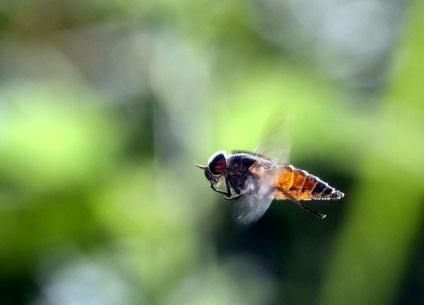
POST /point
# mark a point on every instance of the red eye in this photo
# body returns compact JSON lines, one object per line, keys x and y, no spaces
{"x":218,"y":164}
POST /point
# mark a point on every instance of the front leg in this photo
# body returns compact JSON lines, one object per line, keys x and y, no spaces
{"x":227,"y":193}
{"x":236,"y":197}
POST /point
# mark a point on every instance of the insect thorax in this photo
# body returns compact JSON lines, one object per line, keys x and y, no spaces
{"x":246,"y":170}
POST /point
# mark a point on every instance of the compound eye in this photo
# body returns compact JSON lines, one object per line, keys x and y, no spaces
{"x":217,"y":164}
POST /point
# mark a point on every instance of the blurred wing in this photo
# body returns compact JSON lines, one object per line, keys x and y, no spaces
{"x":275,"y":139}
{"x":250,"y":208}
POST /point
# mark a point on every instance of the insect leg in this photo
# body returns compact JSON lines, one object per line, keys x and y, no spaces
{"x":233,"y":197}
{"x":229,"y":182}
{"x":227,"y":193}
{"x":288,"y":195}
{"x":235,"y":187}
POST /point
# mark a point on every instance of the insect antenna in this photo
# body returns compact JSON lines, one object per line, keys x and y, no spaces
{"x":290,"y":196}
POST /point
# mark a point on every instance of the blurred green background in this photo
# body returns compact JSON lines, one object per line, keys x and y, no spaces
{"x":105,"y":106}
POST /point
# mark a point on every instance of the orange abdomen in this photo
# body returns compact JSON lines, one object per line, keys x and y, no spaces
{"x":302,"y":185}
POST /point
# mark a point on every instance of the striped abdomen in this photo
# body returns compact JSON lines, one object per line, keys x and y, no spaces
{"x":302,"y":185}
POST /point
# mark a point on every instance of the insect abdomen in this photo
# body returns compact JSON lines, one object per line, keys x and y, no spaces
{"x":302,"y":185}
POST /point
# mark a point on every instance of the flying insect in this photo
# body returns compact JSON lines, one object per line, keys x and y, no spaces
{"x":254,"y":181}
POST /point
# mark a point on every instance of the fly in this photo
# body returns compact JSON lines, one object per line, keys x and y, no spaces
{"x":254,"y":181}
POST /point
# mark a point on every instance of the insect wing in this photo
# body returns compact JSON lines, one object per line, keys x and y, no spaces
{"x":275,"y":139}
{"x":250,"y":208}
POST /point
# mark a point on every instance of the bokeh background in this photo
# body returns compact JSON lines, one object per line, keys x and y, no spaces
{"x":105,"y":106}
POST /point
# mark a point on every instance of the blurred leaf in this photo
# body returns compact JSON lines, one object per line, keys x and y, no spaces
{"x":53,"y":154}
{"x":386,"y":206}
{"x":55,"y":142}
